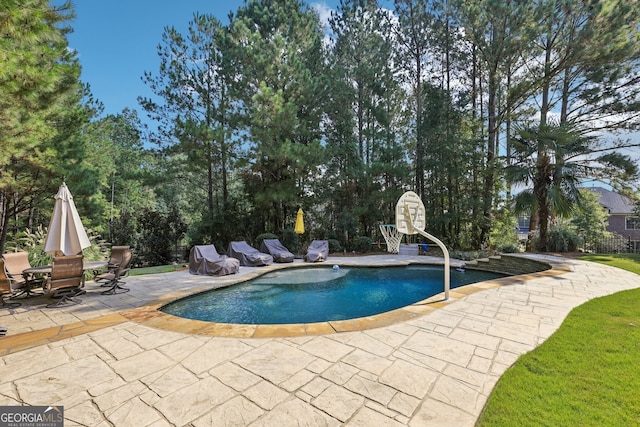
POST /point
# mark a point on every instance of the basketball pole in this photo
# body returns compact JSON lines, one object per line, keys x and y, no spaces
{"x":447,"y":275}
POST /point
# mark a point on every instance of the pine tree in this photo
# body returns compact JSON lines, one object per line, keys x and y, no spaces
{"x":193,"y":106}
{"x":280,"y":89}
{"x":39,"y":103}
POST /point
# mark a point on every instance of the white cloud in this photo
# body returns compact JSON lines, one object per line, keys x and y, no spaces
{"x":324,"y":12}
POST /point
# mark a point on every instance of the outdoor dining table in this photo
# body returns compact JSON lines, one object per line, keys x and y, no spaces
{"x":46,"y":269}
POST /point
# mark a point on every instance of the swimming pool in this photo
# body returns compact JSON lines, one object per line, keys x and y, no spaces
{"x":319,"y":294}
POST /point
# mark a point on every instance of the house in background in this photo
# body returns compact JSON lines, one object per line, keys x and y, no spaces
{"x":622,"y":218}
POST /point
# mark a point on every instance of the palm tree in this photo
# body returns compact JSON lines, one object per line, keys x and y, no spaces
{"x":551,"y":161}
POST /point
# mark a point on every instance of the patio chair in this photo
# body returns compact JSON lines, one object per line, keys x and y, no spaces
{"x":116,"y":271}
{"x":117,"y":255}
{"x":66,"y":280}
{"x":21,"y":284}
{"x":5,"y":288}
{"x":205,"y":260}
{"x":247,"y":255}
{"x":318,"y":251}
{"x":277,"y":250}
{"x":115,"y":259}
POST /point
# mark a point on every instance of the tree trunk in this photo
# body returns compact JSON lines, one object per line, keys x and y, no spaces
{"x":564,"y":106}
{"x":4,"y":200}
{"x":543,"y":208}
{"x":223,"y":145}
{"x":533,"y":226}
{"x":508,"y":133}
{"x":420,"y":189}
{"x":539,"y":190}
{"x":487,"y":203}
{"x":210,"y":204}
{"x":546,"y":83}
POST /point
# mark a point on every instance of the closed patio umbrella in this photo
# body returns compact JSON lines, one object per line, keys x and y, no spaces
{"x":299,"y":228}
{"x":66,"y":233}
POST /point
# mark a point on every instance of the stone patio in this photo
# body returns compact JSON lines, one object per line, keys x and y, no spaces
{"x":115,"y":361}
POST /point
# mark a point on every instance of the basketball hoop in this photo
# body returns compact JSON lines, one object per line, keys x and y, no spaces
{"x":411,"y":219}
{"x":392,"y":236}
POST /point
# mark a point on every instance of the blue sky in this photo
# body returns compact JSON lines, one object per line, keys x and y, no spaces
{"x":116,"y":41}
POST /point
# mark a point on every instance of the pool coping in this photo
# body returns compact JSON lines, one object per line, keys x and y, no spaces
{"x":149,"y":315}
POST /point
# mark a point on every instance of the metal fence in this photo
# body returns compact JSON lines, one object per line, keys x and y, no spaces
{"x":613,"y":245}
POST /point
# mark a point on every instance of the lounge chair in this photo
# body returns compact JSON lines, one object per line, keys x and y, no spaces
{"x":21,"y":284}
{"x":118,"y":267}
{"x":318,"y":251}
{"x":247,"y":255}
{"x":205,"y":260}
{"x":276,"y":250}
{"x":66,"y":281}
{"x":5,"y":288}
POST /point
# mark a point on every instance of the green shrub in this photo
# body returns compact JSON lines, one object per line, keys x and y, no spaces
{"x":334,"y":246}
{"x":362,"y":244}
{"x":562,"y":239}
{"x":264,"y":236}
{"x":291,"y":240}
{"x":503,"y":231}
{"x":509,"y":248}
{"x":154,"y":247}
{"x":33,"y":244}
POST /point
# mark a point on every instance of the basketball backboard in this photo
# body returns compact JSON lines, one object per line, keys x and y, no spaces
{"x":410,"y":204}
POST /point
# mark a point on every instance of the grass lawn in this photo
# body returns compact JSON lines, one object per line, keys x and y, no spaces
{"x":586,"y":374}
{"x":156,"y":269}
{"x":629,"y":262}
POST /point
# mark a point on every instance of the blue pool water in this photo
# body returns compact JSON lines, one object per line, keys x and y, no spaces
{"x":318,"y":294}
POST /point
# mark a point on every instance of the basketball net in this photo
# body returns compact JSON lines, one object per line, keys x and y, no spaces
{"x":392,"y":236}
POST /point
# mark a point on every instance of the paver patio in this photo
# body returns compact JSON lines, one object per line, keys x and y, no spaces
{"x":112,"y":361}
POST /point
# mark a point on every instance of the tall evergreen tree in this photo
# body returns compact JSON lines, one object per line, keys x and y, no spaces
{"x":122,"y":169}
{"x":588,"y":70}
{"x":40,"y":106}
{"x":495,"y":29}
{"x":415,"y":43}
{"x":193,"y":106}
{"x":364,"y":113}
{"x":281,"y":91}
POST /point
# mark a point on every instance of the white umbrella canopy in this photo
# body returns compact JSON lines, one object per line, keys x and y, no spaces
{"x":66,"y":233}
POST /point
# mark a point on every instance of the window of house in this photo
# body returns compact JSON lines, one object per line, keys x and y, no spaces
{"x":632,"y":223}
{"x":523,"y":222}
